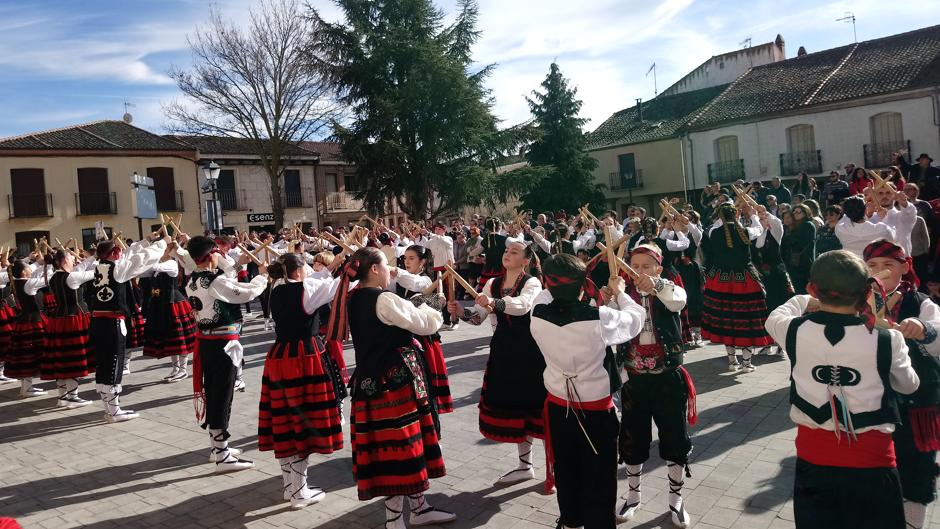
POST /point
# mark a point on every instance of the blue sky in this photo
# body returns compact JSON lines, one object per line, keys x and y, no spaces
{"x":64,"y":62}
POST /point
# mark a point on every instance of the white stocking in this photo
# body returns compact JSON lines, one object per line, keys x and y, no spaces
{"x":525,"y":454}
{"x":285,"y":475}
{"x":915,"y":514}
{"x":60,"y":385}
{"x":634,"y":477}
{"x":110,"y":397}
{"x":732,"y":356}
{"x":183,"y":362}
{"x":394,"y":505}
{"x":676,"y":481}
{"x":219,"y":444}
{"x":71,"y":388}
{"x":746,"y":355}
{"x":26,"y":383}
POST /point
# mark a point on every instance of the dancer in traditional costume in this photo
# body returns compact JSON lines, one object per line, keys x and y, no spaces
{"x":216,"y":299}
{"x":770,"y":266}
{"x":28,"y":339}
{"x":513,"y":390}
{"x":581,"y":428}
{"x":108,"y":331}
{"x":170,"y":329}
{"x":441,"y":247}
{"x":917,"y":437}
{"x":394,"y":444}
{"x":68,"y":355}
{"x":845,"y":372}
{"x":298,"y":415}
{"x":7,"y":316}
{"x":659,"y":387}
{"x":855,"y":231}
{"x":693,"y":278}
{"x":415,"y":279}
{"x":735,"y":303}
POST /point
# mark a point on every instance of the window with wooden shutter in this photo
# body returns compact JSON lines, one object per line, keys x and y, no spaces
{"x":28,"y":193}
{"x":164,"y":189}
{"x":94,"y":196}
{"x":228,"y":195}
{"x":886,"y":128}
{"x":801,"y":138}
{"x":726,"y":149}
{"x":293,"y":198}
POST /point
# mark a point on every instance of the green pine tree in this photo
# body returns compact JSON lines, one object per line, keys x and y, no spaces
{"x":558,"y":157}
{"x":421,"y":130}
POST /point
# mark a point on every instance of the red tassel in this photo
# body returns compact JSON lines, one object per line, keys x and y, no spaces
{"x":335,"y":349}
{"x":549,"y":453}
{"x":691,"y":406}
{"x":925,"y":424}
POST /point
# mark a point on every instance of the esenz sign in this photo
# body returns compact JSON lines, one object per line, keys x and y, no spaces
{"x":261,"y":217}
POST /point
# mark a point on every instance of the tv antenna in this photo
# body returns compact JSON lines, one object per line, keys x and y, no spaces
{"x":849,"y":17}
{"x":746,"y":43}
{"x":653,"y":69}
{"x":128,"y":118}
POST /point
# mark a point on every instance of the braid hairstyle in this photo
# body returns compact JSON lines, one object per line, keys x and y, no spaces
{"x":729,"y":217}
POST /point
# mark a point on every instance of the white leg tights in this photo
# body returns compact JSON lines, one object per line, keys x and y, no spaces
{"x":915,"y":514}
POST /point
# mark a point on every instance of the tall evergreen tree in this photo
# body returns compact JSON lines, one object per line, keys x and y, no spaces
{"x":558,"y":156}
{"x":422,"y":131}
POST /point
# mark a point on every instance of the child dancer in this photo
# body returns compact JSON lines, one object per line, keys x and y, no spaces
{"x":917,"y":438}
{"x":581,"y":421}
{"x":513,"y":390}
{"x":844,"y":376}
{"x":394,"y":444}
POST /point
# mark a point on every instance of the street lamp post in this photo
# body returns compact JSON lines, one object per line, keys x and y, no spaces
{"x":213,"y":210}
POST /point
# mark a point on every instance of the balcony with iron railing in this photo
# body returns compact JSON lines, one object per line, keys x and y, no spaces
{"x":726,"y":172}
{"x":232,"y":199}
{"x":343,"y":201}
{"x":30,"y":205}
{"x":880,"y":155}
{"x":297,"y":199}
{"x":172,"y":202}
{"x":794,"y":163}
{"x":96,"y":203}
{"x":622,"y":181}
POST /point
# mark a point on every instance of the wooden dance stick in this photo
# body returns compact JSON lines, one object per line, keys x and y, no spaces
{"x":451,"y":287}
{"x":251,"y":256}
{"x":330,"y":237}
{"x":620,"y":263}
{"x":456,"y":277}
{"x":611,"y":253}
{"x":433,"y":287}
{"x":267,"y":252}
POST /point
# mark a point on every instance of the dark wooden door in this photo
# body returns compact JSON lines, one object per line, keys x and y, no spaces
{"x":28,"y":188}
{"x":292,"y":193}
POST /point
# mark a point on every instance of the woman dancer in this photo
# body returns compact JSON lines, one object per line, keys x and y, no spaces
{"x":394,"y":444}
{"x":513,"y":389}
{"x":28,"y":340}
{"x":170,"y":329}
{"x":298,"y":415}
{"x":68,"y":355}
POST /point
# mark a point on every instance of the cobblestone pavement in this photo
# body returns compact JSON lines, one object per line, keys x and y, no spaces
{"x":64,"y":469}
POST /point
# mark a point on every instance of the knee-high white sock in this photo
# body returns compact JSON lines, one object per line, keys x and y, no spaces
{"x":110,"y":398}
{"x":676,"y":481}
{"x":71,"y":388}
{"x":2,"y":364}
{"x":285,"y":475}
{"x":634,"y":478}
{"x":219,"y":443}
{"x":26,"y":383}
{"x":298,"y":472}
{"x":394,"y":505}
{"x":60,"y":385}
{"x":915,"y":514}
{"x":732,"y":355}
{"x":525,"y":454}
{"x":183,"y":362}
{"x":746,"y":355}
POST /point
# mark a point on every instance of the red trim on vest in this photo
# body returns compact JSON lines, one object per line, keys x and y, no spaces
{"x":872,"y":449}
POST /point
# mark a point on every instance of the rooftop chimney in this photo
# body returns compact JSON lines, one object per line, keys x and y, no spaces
{"x":639,"y":109}
{"x":801,"y":52}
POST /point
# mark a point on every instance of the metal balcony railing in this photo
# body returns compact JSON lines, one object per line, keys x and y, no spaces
{"x":33,"y":205}
{"x":794,"y":163}
{"x":232,"y":199}
{"x":297,"y":199}
{"x":343,"y":201}
{"x":619,"y":181}
{"x":173,"y":202}
{"x":880,"y":155}
{"x":726,"y":172}
{"x":96,"y":203}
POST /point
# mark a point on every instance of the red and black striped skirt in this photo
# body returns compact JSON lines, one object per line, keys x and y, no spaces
{"x":135,"y":336}
{"x":49,"y":303}
{"x":299,"y":413}
{"x":395,"y":447}
{"x":68,"y":353}
{"x":437,"y":374}
{"x":509,"y":424}
{"x":171,"y":333}
{"x":27,"y":345}
{"x":735,"y":309}
{"x":7,"y":315}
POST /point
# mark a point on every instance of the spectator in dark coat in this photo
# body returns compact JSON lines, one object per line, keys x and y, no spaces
{"x":780,"y":191}
{"x":926,"y":176}
{"x":835,"y":190}
{"x":806,"y":185}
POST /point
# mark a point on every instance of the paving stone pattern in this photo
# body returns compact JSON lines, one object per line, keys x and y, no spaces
{"x":63,"y":469}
